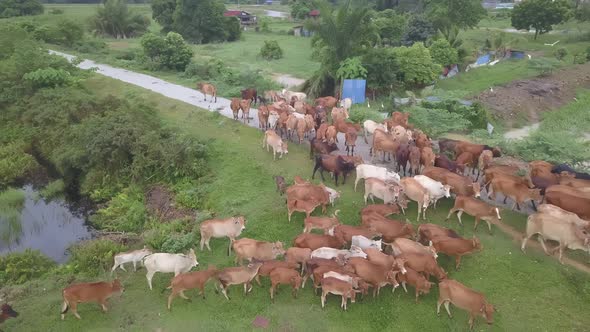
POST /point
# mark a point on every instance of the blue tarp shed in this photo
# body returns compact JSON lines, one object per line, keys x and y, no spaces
{"x":482,"y":60}
{"x":355,"y":90}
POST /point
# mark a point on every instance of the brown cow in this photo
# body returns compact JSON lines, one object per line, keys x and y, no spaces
{"x":348,"y":231}
{"x":407,"y":246}
{"x":250,"y":94}
{"x":301,"y":128}
{"x":460,"y":185}
{"x":475,"y":149}
{"x":331,"y":135}
{"x":309,"y":192}
{"x":385,"y":143}
{"x":484,"y":161}
{"x":316,"y":241}
{"x":320,"y":133}
{"x":457,"y":247}
{"x":429,"y":232}
{"x":236,"y":276}
{"x":250,"y":249}
{"x":216,"y":228}
{"x":306,"y":206}
{"x":443,"y":161}
{"x":235,"y":107}
{"x":400,"y":118}
{"x":381,"y":209}
{"x":190,"y":280}
{"x":271,"y":139}
{"x":467,"y":159}
{"x":282,"y":275}
{"x":7,"y":312}
{"x":245,"y":107}
{"x":323,"y":223}
{"x":314,"y":263}
{"x":280,"y":183}
{"x":334,"y":164}
{"x":386,"y":261}
{"x":452,"y":291}
{"x":327,"y":102}
{"x":427,"y":157}
{"x":350,"y":137}
{"x":338,"y":287}
{"x":298,"y":255}
{"x":373,"y":274}
{"x":422,"y":141}
{"x":414,"y":158}
{"x":569,"y":179}
{"x":425,"y":264}
{"x":540,"y":168}
{"x":389,"y":229}
{"x":401,"y":156}
{"x":263,"y":114}
{"x":415,"y":191}
{"x":98,"y":292}
{"x":316,"y":146}
{"x":268,"y":266}
{"x":207,"y":89}
{"x":415,"y":279}
{"x":476,"y":208}
{"x":569,"y":199}
{"x":506,"y":172}
{"x":516,"y":191}
{"x":447,"y":145}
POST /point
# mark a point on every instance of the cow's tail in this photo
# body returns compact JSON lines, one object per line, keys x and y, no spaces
{"x":65,"y":306}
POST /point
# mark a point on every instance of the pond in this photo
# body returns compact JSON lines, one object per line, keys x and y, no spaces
{"x":48,"y":226}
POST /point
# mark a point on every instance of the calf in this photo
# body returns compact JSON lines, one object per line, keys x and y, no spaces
{"x":323,"y":223}
{"x":386,"y":191}
{"x":236,"y":276}
{"x":216,"y":228}
{"x":385,"y":143}
{"x":427,"y":157}
{"x":98,"y":292}
{"x":415,"y":279}
{"x":457,"y":247}
{"x":476,"y":208}
{"x":452,"y":291}
{"x":320,"y":133}
{"x":207,"y":89}
{"x":314,"y":263}
{"x":250,"y":94}
{"x":130,"y":256}
{"x":263,"y":115}
{"x":370,"y":126}
{"x":337,"y":287}
{"x":401,"y":156}
{"x":550,"y":227}
{"x":334,"y":164}
{"x":190,"y":280}
{"x":286,"y":276}
{"x":365,"y":243}
{"x":316,"y":241}
{"x":309,"y":192}
{"x":260,"y":250}
{"x":386,"y":261}
{"x":389,"y":229}
{"x":331,"y":135}
{"x":484,"y":161}
{"x":298,"y":255}
{"x":281,"y":184}
{"x":271,"y":139}
{"x":235,"y":107}
{"x":301,"y":206}
{"x":373,"y":274}
{"x":515,"y":190}
{"x":350,"y":137}
{"x":316,"y":146}
{"x":365,"y":171}
{"x":466,"y":159}
{"x":169,"y":263}
{"x":268,"y":266}
{"x":245,"y":107}
{"x":7,"y":312}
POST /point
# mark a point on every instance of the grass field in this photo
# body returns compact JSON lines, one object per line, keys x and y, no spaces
{"x":532,"y":292}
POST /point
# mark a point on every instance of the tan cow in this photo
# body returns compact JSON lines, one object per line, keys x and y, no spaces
{"x":387,"y":191}
{"x":229,"y":227}
{"x":331,"y":135}
{"x":457,"y":247}
{"x":286,"y":276}
{"x":309,"y":192}
{"x":98,"y":292}
{"x":263,"y":115}
{"x":250,"y":249}
{"x":452,"y":291}
{"x":235,"y":107}
{"x":516,"y":191}
{"x":271,"y":139}
{"x":298,"y":255}
{"x":427,"y":157}
{"x":415,"y":191}
{"x":245,"y":107}
{"x":207,"y":89}
{"x":407,"y":246}
{"x":476,"y":208}
{"x":337,"y":287}
{"x":297,"y":205}
{"x":460,"y":185}
{"x":323,"y":223}
{"x":415,"y":279}
{"x":373,"y":274}
{"x":316,"y":241}
{"x":236,"y":276}
{"x":190,"y":280}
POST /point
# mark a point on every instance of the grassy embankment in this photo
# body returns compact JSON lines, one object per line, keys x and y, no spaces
{"x":531,"y":292}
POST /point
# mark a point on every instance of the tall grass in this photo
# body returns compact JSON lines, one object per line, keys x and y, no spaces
{"x":11,"y":203}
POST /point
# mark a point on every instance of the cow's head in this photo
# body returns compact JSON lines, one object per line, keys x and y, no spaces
{"x":277,"y":249}
{"x":357,"y":252}
{"x":240,"y":222}
{"x":193,"y":257}
{"x":117,"y":287}
{"x":487,"y":311}
{"x":476,"y":189}
{"x":392,"y":279}
{"x":535,"y":194}
{"x":447,"y":190}
{"x":8,"y":311}
{"x":284,"y":147}
{"x":476,"y":243}
{"x":432,"y":250}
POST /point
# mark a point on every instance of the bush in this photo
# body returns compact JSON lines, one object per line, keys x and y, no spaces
{"x":92,"y":46}
{"x":232,"y":28}
{"x":124,"y":213}
{"x":271,"y":50}
{"x":561,"y":53}
{"x":10,"y":8}
{"x":416,"y":67}
{"x":68,"y":32}
{"x":93,"y":257}
{"x":178,"y":243}
{"x":12,"y":199}
{"x":160,"y":236}
{"x":264,"y":24}
{"x":554,"y":147}
{"x":56,"y":11}
{"x":171,"y":52}
{"x":18,"y":268}
{"x":14,"y":162}
{"x":476,"y":114}
{"x":53,"y":190}
{"x":115,"y":20}
{"x":359,"y":114}
{"x":49,"y":78}
{"x":436,"y":122}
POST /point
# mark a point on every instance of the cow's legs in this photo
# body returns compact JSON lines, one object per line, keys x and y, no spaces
{"x":451,"y":211}
{"x":447,"y":303}
{"x":335,"y":177}
{"x":534,"y":206}
{"x":183,"y":296}
{"x":134,"y":266}
{"x":356,"y":181}
{"x":74,"y":307}
{"x":103,"y":304}
{"x":459,"y":214}
{"x":149,"y":276}
{"x":542,"y":241}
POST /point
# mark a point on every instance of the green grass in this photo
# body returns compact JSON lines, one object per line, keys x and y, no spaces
{"x":532,"y":292}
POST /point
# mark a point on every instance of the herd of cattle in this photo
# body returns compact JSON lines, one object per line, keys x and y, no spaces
{"x":346,"y":260}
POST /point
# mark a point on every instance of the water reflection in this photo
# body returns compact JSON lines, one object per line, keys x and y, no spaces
{"x":50,"y":227}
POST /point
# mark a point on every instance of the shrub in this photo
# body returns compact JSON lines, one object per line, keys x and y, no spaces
{"x":416,"y":66}
{"x":14,"y":162}
{"x":178,"y":243}
{"x":359,"y":114}
{"x":543,"y":66}
{"x":114,"y":19}
{"x":161,"y":235}
{"x":561,"y":53}
{"x":56,"y":11}
{"x":232,"y":28}
{"x":11,"y":204}
{"x":554,"y":147}
{"x":264,"y":23}
{"x":92,"y":46}
{"x":10,"y":8}
{"x":93,"y":257}
{"x":49,"y":78}
{"x":53,"y":190}
{"x":125,"y":213}
{"x":18,"y":268}
{"x":436,"y":122}
{"x":443,"y":54}
{"x":68,"y":32}
{"x":271,"y":50}
{"x":476,"y":114}
{"x":171,"y":52}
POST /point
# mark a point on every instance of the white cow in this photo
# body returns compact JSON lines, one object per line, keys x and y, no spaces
{"x":289,"y":94}
{"x":130,"y":256}
{"x":562,"y":214}
{"x":333,"y":194}
{"x":298,"y":115}
{"x":370,"y":126}
{"x":273,"y":118}
{"x":346,"y":103}
{"x":364,"y":171}
{"x":365,"y":243}
{"x":329,"y":253}
{"x":169,"y":263}
{"x":436,"y":190}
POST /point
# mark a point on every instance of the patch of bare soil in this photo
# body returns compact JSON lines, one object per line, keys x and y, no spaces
{"x":160,"y":202}
{"x":528,"y":98}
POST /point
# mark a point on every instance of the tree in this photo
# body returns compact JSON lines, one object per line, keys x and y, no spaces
{"x":419,"y":30}
{"x":116,"y":20}
{"x":163,"y":13}
{"x":416,"y":66}
{"x":539,"y":14}
{"x":442,"y":53}
{"x":461,"y":13}
{"x":351,"y":68}
{"x":391,"y":26}
{"x":382,"y":68}
{"x":271,"y":50}
{"x":10,"y":8}
{"x":200,"y":21}
{"x":582,"y":12}
{"x":300,"y":8}
{"x":232,"y":27}
{"x":170,"y":52}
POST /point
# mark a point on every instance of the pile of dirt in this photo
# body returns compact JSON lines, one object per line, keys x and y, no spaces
{"x":160,"y":203}
{"x":526,"y":99}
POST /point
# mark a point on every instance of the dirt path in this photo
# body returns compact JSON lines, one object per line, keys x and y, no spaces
{"x":195,"y":98}
{"x":520,"y":133}
{"x":276,"y":13}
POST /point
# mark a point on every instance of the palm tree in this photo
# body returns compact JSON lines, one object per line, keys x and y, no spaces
{"x":338,"y":35}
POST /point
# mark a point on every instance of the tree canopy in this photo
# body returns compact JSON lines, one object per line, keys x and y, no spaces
{"x":416,"y":66}
{"x":461,"y":13}
{"x":442,"y":53}
{"x":419,"y":30}
{"x":540,"y":15}
{"x":116,"y":20}
{"x":10,"y":8}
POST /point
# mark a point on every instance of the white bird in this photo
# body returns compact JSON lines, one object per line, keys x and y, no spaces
{"x":552,"y":44}
{"x":491,"y":90}
{"x":368,"y":105}
{"x":529,"y":56}
{"x":382,"y":106}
